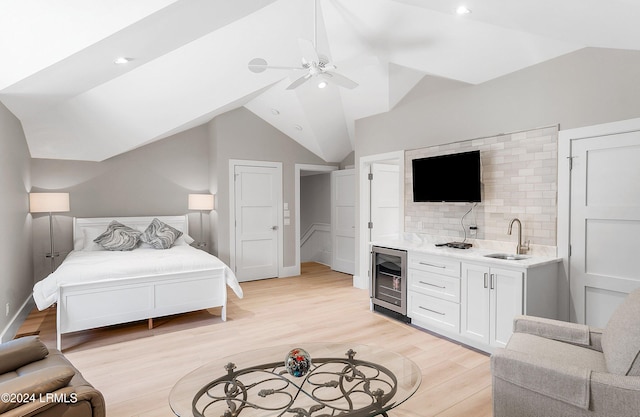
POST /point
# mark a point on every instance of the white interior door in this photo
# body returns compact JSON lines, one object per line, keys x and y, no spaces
{"x":385,"y":201}
{"x":343,"y":220}
{"x":605,"y":224}
{"x":257,"y":196}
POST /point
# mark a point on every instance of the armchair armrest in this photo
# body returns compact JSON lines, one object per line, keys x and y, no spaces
{"x":566,"y":383}
{"x":70,"y":394}
{"x":33,"y":386}
{"x":577,"y":334}
{"x":19,"y":352}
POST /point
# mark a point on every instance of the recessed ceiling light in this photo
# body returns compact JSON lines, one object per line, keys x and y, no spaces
{"x":322,"y":84}
{"x":463,"y":10}
{"x":275,"y":112}
{"x":122,"y":60}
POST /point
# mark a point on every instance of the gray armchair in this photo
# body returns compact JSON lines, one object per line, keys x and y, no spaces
{"x":37,"y":382}
{"x":554,"y":368}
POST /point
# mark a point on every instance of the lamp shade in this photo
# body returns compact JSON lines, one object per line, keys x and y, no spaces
{"x":200,"y":201}
{"x":48,"y":202}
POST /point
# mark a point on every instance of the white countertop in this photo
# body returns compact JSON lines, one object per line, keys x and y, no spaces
{"x":476,"y":253}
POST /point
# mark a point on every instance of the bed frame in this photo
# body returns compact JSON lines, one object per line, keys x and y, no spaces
{"x":96,"y":304}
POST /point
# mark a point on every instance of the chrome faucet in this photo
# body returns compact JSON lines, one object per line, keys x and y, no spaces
{"x":520,"y":248}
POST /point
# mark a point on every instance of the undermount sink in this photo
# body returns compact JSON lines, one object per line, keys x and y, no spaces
{"x":506,"y":256}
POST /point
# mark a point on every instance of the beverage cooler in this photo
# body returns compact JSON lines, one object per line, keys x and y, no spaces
{"x":388,"y":289}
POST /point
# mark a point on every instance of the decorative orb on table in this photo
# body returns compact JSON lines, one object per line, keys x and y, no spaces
{"x":297,"y":362}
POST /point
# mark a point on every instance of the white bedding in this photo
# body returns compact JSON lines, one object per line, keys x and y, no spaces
{"x":91,"y":266}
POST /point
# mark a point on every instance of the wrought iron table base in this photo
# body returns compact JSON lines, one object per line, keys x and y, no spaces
{"x":333,"y":386}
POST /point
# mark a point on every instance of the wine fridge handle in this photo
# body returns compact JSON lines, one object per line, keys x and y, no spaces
{"x":371,"y":272}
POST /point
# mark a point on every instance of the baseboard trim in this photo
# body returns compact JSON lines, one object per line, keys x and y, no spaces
{"x":289,"y":271}
{"x":360,"y":282}
{"x":21,"y":315}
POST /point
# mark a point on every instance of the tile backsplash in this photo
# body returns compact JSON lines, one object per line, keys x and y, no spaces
{"x":519,"y":179}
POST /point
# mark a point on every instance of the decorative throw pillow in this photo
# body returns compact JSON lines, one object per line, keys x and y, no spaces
{"x":119,"y":237}
{"x":160,"y":235}
{"x":621,"y":338}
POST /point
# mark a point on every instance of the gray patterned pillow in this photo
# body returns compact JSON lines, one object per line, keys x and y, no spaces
{"x":160,"y":235}
{"x":119,"y":237}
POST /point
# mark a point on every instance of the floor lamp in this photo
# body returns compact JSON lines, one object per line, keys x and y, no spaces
{"x":49,"y":203}
{"x":201,"y":202}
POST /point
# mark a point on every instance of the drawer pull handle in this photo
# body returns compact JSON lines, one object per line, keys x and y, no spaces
{"x":433,"y":265}
{"x":433,"y":311}
{"x":485,"y":279}
{"x":432,"y":285}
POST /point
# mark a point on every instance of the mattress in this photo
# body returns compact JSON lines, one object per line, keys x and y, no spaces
{"x":92,"y":266}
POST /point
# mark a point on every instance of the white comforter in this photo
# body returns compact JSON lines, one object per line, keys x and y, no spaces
{"x":90,"y":266}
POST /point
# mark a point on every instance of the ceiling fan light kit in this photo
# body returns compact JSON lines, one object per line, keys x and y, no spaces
{"x":313,"y":64}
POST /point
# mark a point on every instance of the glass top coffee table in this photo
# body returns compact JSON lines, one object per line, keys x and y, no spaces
{"x":342,"y":379}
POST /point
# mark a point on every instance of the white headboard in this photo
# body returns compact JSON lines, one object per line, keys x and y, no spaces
{"x":139,"y":223}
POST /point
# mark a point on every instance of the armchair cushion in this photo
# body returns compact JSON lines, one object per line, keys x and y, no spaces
{"x":19,"y":352}
{"x":621,"y":338}
{"x":555,"y":369}
{"x":567,"y":383}
{"x":34,"y":384}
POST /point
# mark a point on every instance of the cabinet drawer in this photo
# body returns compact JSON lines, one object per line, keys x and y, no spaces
{"x":436,"y":285}
{"x":434,"y":311}
{"x":435,"y":264}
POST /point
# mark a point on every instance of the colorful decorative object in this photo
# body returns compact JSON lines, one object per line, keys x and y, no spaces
{"x":297,"y":362}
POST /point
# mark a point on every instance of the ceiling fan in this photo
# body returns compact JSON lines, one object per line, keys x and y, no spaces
{"x":314,"y":65}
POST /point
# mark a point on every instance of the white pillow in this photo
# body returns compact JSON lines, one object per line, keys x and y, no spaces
{"x":85,"y":239}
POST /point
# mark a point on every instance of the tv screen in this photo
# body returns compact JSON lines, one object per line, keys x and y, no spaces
{"x":447,"y":178}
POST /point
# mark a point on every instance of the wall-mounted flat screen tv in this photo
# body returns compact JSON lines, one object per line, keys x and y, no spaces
{"x":452,"y":178}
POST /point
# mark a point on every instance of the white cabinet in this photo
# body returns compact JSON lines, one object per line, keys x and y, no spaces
{"x":434,"y":292}
{"x":491,"y":297}
{"x":473,"y":299}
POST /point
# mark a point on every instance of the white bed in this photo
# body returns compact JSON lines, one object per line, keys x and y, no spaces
{"x":95,"y":287}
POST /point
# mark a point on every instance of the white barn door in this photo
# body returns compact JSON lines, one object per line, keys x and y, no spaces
{"x":343,"y":220}
{"x":257,"y":196}
{"x":605,"y":224}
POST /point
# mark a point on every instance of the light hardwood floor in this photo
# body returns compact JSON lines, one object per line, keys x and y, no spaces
{"x":135,"y":368}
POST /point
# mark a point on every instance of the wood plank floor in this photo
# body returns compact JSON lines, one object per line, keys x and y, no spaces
{"x":135,"y":368}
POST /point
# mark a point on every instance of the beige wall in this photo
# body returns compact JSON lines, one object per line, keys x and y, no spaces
{"x":583,"y":88}
{"x":315,"y":201}
{"x":16,"y":273}
{"x":239,"y":134}
{"x":156,"y":179}
{"x":152,"y":180}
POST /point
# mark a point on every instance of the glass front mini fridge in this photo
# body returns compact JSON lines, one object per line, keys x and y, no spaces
{"x":389,"y":281}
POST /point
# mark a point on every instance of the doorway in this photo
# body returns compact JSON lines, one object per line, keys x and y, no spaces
{"x":303,"y":170}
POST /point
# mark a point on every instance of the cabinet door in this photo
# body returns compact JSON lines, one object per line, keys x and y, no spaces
{"x":475,"y":303}
{"x":506,"y":302}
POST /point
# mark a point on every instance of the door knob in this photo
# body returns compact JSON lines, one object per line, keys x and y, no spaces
{"x":274,"y":227}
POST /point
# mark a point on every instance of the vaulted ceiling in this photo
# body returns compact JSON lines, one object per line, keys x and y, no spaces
{"x":189,"y":61}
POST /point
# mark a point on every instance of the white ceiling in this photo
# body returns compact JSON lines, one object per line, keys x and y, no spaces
{"x":190,"y":61}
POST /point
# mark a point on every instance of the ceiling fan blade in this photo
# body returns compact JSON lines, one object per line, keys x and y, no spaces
{"x":259,"y":65}
{"x":340,"y":80}
{"x":299,"y":81}
{"x":309,"y":53}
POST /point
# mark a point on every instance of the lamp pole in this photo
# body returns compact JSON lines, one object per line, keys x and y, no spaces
{"x":51,"y":254}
